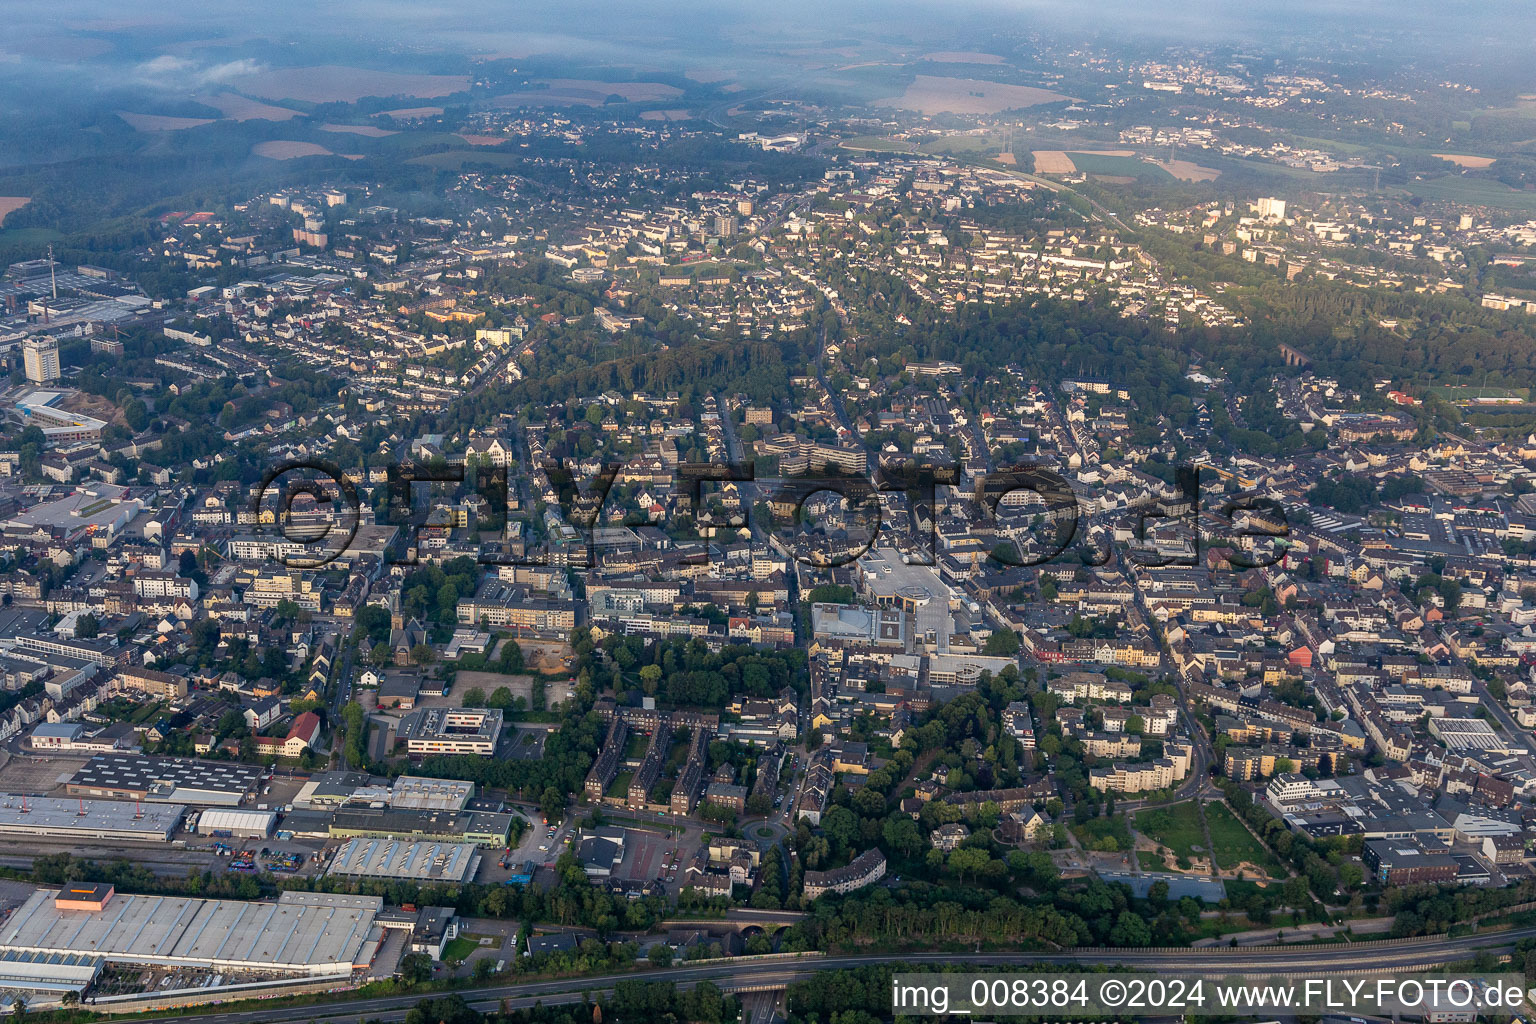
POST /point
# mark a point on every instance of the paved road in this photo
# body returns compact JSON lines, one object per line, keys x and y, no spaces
{"x":764,"y":974}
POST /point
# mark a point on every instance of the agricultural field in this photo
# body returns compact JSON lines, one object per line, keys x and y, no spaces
{"x":161,"y":122}
{"x":965,"y":144}
{"x":412,"y":113}
{"x":961,"y":57}
{"x":333,"y":83}
{"x":1118,"y":164}
{"x":875,"y":144}
{"x":1187,"y":170}
{"x":457,"y":159}
{"x":238,"y":108}
{"x":1464,"y":160}
{"x":929,"y":94}
{"x":288,"y":150}
{"x":10,"y":204}
{"x":1053,"y":161}
{"x":368,"y":131}
{"x":587,"y":92}
{"x":1475,"y":191}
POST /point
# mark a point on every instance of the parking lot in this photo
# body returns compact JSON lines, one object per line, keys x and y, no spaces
{"x":645,"y":856}
{"x":38,"y":776}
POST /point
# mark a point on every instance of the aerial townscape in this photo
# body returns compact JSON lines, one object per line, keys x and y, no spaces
{"x":655,"y":514}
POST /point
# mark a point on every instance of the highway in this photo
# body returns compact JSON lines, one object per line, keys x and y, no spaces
{"x":740,"y":975}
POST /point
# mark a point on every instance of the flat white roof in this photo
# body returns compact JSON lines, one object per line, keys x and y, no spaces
{"x":41,"y":815}
{"x":300,"y":936}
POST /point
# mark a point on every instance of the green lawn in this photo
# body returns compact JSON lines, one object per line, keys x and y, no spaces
{"x":619,"y":787}
{"x":146,"y":712}
{"x":1475,"y":191}
{"x":1176,"y":827}
{"x":1466,"y":393}
{"x":1235,"y":844}
{"x":458,"y":159}
{"x":461,"y":947}
{"x":974,"y":145}
{"x":876,"y":144}
{"x":1150,"y":861}
{"x":1118,"y":166}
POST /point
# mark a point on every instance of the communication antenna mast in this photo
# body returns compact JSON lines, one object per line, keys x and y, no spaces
{"x":53,"y":276}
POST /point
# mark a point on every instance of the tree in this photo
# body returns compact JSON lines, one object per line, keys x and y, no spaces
{"x":660,"y":955}
{"x":230,"y":723}
{"x":1002,"y":644}
{"x":87,"y":627}
{"x":552,"y":803}
{"x":371,"y":621}
{"x":1130,"y":929}
{"x":474,"y":697}
{"x":415,"y":968}
{"x":501,"y":697}
{"x":650,"y":678}
{"x":423,"y":654}
{"x":510,"y":657}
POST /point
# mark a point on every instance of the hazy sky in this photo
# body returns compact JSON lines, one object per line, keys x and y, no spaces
{"x":108,"y":44}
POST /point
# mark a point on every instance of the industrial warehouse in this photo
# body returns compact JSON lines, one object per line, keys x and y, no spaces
{"x":302,"y":934}
{"x":219,"y":821}
{"x":168,"y":780}
{"x":483,"y":828}
{"x":393,"y":858}
{"x":33,"y":817}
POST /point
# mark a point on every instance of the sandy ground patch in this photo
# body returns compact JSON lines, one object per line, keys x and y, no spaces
{"x":1461,"y":160}
{"x":961,"y":57}
{"x":521,"y":686}
{"x":239,"y":108}
{"x":545,"y":655}
{"x":1006,"y":158}
{"x":412,"y":113}
{"x":1053,"y":161}
{"x":1104,"y":152}
{"x":10,"y":204}
{"x":334,"y":83}
{"x":285,"y":150}
{"x":366,"y":130}
{"x":930,"y":94}
{"x":666,"y":115}
{"x":92,"y":405}
{"x":1188,"y":170}
{"x":161,"y":122}
{"x":485,"y":140}
{"x":1250,"y":871}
